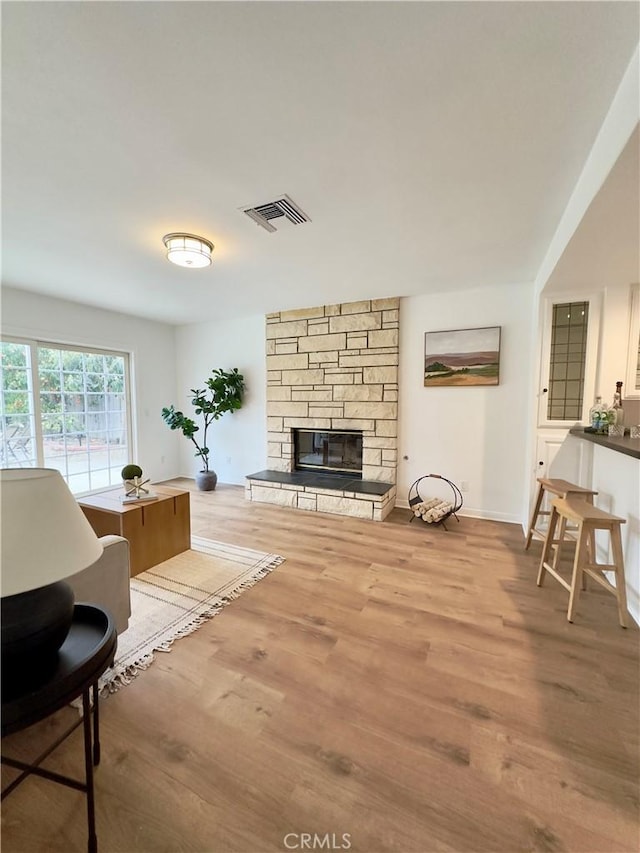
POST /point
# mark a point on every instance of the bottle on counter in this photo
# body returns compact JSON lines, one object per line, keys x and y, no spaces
{"x":596,"y":413}
{"x":617,"y":405}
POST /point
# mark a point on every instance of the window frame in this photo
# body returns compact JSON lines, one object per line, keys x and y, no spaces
{"x":34,"y":344}
{"x":591,"y":356}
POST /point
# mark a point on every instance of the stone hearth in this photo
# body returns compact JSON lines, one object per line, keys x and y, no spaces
{"x":318,"y":492}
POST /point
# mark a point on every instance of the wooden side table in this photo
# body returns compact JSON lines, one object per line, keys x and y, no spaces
{"x":86,"y":653}
{"x":156,"y":530}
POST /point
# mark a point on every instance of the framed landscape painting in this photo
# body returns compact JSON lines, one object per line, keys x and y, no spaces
{"x":462,"y":357}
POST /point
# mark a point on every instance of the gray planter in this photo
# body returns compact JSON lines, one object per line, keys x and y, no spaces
{"x":206,"y":480}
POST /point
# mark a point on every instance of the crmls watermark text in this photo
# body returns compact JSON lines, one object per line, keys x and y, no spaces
{"x":313,"y":841}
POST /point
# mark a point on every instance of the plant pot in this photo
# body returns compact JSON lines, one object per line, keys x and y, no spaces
{"x":206,"y":480}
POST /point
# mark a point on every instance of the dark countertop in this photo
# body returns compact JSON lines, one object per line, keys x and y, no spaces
{"x":628,"y":446}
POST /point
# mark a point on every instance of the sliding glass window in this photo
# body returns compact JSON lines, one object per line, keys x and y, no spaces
{"x":65,"y":408}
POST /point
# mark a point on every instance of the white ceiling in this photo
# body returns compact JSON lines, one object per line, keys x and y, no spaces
{"x":434,"y":145}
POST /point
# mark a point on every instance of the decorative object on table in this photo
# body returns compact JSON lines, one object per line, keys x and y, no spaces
{"x":462,"y":357}
{"x":134,"y":485}
{"x":634,"y":431}
{"x":434,"y":510}
{"x":45,"y":539}
{"x":177,"y":597}
{"x":223,"y":393}
{"x":130,"y":471}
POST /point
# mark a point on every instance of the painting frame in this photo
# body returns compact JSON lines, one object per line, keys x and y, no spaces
{"x":462,"y":358}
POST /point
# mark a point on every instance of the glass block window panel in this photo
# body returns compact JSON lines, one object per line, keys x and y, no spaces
{"x":570,"y":323}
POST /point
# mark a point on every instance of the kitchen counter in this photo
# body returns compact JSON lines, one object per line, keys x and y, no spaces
{"x":626,"y":445}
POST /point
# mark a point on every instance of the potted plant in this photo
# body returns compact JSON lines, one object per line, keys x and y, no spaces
{"x":223,"y":393}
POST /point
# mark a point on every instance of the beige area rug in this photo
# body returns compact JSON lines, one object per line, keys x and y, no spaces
{"x":175,"y":598}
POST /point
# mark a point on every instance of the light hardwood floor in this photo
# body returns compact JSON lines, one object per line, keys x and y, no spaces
{"x":405,"y":685}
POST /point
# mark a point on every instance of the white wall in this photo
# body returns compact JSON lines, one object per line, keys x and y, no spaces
{"x":238,"y":441}
{"x":479,"y":435}
{"x":152,"y":352}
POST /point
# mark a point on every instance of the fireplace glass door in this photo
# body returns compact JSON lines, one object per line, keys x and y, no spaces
{"x":328,"y":450}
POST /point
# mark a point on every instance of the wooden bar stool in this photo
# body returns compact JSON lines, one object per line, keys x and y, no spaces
{"x":559,"y":488}
{"x":588,"y":519}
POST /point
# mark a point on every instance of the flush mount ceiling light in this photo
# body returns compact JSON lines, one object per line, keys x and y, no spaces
{"x":187,"y":250}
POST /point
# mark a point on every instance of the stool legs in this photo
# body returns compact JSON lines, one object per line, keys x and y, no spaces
{"x":585,"y":564}
{"x":548,"y":545}
{"x":618,"y":561}
{"x":588,"y":520}
{"x":534,"y":516}
{"x":577,"y":577}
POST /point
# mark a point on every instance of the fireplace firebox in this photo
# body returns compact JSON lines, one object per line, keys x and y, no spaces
{"x":338,"y":452}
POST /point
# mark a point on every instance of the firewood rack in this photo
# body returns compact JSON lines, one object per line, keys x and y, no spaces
{"x":434,"y":510}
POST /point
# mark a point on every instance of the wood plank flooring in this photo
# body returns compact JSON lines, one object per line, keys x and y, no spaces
{"x":407,"y":686}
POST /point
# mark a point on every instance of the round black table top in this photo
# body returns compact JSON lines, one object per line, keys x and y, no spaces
{"x":86,"y":653}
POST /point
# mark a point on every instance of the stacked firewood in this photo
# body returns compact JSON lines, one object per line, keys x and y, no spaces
{"x":434,"y":509}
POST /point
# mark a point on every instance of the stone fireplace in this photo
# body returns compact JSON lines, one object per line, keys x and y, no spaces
{"x":332,"y":370}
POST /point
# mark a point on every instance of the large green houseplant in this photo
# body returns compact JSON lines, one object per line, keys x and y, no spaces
{"x":223,"y":393}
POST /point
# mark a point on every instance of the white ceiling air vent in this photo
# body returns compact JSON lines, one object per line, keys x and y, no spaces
{"x":282,"y":208}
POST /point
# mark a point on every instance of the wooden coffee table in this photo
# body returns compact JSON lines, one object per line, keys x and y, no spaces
{"x":156,"y":530}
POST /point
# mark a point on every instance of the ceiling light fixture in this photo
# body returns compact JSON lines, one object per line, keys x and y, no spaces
{"x":187,"y":250}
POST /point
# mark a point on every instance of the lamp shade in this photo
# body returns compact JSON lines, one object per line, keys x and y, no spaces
{"x":187,"y":250}
{"x":45,"y":536}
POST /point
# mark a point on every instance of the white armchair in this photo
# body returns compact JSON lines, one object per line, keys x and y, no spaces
{"x":106,"y":582}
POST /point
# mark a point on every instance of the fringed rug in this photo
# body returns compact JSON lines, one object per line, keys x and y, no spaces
{"x":176,"y":597}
